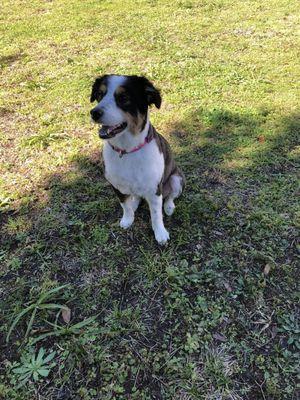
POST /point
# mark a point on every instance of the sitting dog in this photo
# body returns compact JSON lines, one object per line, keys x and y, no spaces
{"x":138,"y":160}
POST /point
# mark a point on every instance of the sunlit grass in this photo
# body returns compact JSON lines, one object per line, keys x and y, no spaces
{"x":212,"y":315}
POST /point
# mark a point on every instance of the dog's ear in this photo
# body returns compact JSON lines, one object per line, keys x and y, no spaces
{"x":152,"y":94}
{"x":95,"y":87}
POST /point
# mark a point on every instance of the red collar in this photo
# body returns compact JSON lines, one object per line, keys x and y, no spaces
{"x":121,"y":152}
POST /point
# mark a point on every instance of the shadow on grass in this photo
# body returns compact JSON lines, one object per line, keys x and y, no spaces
{"x":5,"y":61}
{"x":225,"y":135}
{"x":221,"y":152}
{"x":235,"y":216}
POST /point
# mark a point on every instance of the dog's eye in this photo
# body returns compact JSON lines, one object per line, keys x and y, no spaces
{"x":123,"y":98}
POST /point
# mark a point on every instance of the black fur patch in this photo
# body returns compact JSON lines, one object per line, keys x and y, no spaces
{"x":133,"y":97}
{"x":138,"y":93}
{"x":97,"y":94}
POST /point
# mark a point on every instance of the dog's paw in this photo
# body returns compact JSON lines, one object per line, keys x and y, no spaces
{"x":169,"y":207}
{"x":162,"y":236}
{"x":126,"y":223}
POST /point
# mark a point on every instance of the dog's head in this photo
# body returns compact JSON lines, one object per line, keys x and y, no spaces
{"x":123,"y":102}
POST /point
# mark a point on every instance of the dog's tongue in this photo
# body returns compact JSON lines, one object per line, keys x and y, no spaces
{"x":107,"y":132}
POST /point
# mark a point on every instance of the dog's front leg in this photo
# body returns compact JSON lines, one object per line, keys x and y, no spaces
{"x":129,"y":205}
{"x":155,"y":205}
{"x":128,"y":213}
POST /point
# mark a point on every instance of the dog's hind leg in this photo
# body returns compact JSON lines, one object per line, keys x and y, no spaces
{"x":176,"y":182}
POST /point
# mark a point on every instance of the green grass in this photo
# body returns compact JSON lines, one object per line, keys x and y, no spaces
{"x":215,"y":314}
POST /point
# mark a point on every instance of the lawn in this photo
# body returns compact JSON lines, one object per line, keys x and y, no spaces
{"x":89,"y":311}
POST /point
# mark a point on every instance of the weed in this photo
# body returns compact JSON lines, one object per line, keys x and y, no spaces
{"x":213,"y":315}
{"x":42,"y":303}
{"x":35,"y":366}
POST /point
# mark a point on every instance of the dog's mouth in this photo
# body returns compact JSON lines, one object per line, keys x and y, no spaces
{"x":108,"y":132}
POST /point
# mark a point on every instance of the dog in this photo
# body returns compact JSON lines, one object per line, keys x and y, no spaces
{"x":138,"y":161}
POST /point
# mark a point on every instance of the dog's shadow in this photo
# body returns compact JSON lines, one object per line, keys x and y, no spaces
{"x":73,"y":237}
{"x":82,"y":210}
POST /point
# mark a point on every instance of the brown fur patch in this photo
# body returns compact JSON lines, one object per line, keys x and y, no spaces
{"x":164,"y":187}
{"x":122,"y":197}
{"x":120,"y":89}
{"x":103,"y":88}
{"x":135,"y":124}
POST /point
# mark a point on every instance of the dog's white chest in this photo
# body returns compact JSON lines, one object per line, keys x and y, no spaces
{"x":136,"y":173}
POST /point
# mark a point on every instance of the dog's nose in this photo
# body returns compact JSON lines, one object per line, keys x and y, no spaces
{"x":96,"y":114}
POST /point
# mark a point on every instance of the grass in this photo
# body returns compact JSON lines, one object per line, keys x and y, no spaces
{"x":214,"y":315}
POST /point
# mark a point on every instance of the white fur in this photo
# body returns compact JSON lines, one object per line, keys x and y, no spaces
{"x":137,"y":174}
{"x":129,"y":206}
{"x":155,"y":205}
{"x":112,"y":113}
{"x":176,"y":184}
{"x":128,"y":214}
